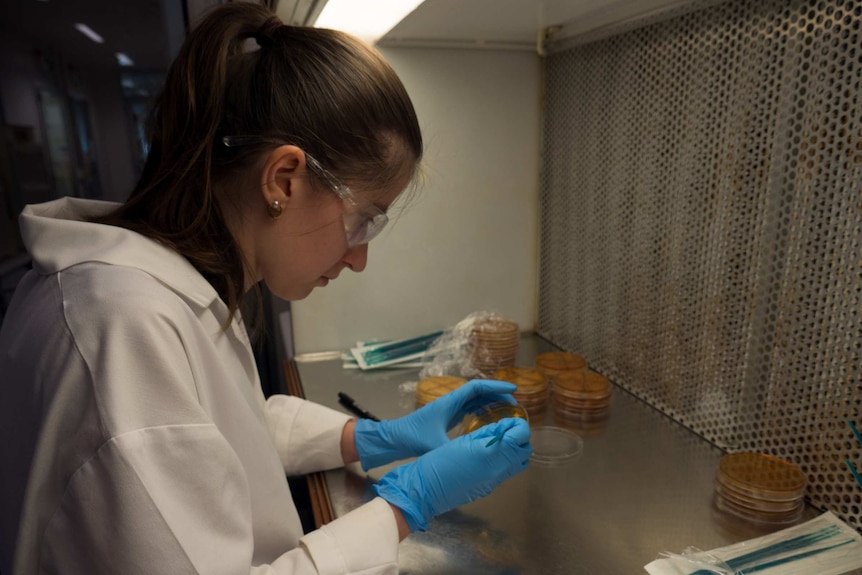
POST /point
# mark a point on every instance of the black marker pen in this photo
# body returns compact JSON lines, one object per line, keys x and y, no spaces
{"x":351,"y":404}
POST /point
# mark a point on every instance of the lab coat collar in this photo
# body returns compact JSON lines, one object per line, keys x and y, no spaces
{"x":57,"y":237}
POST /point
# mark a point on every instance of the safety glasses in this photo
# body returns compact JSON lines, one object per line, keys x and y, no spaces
{"x":363,"y":221}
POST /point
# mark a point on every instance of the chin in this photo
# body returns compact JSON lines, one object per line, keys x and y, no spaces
{"x":291,"y":294}
{"x":296,"y":296}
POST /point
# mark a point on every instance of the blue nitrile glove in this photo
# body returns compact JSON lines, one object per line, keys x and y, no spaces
{"x":382,"y":442}
{"x":461,"y":471}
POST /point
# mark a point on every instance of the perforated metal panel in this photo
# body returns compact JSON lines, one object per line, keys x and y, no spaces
{"x":702,"y":225}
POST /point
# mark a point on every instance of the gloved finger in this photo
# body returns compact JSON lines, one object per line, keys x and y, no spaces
{"x":485,"y":432}
{"x":492,"y":386}
{"x":521,"y":462}
{"x":479,"y":387}
{"x":501,"y":428}
{"x":477,"y":403}
{"x":474,"y":394}
{"x":515,"y":445}
{"x":516,"y":431}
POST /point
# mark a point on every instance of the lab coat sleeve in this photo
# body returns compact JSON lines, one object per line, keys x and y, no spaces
{"x":307,"y":435}
{"x":174,"y":499}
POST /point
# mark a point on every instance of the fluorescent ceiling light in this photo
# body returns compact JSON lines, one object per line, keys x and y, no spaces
{"x":123,"y":60}
{"x":88,"y":32}
{"x":370,"y":20}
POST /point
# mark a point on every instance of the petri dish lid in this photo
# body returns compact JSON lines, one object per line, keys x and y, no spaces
{"x":561,"y":361}
{"x":524,"y":377}
{"x":431,"y":388}
{"x":554,"y":445}
{"x":762,"y":476}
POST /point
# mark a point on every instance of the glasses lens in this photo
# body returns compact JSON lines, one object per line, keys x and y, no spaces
{"x":363,"y":226}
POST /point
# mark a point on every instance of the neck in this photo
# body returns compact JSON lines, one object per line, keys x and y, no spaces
{"x":245,"y":245}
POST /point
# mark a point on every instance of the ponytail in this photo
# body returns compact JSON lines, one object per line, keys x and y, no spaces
{"x":242,"y":72}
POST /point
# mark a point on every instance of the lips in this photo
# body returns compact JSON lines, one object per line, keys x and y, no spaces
{"x":326,"y":279}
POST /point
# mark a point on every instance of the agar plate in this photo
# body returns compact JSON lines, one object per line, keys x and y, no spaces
{"x":492,"y":413}
{"x":431,"y":388}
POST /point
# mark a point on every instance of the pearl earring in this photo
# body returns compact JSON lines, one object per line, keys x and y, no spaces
{"x":275,"y":209}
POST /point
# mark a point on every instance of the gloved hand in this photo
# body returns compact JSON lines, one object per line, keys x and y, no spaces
{"x":382,"y":442}
{"x":463,"y":470}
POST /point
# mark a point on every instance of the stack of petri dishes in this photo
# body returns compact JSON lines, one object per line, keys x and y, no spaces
{"x":556,"y":362}
{"x":532,"y":392}
{"x":494,"y":345}
{"x":582,"y":395}
{"x":760,"y":488}
{"x":431,"y":388}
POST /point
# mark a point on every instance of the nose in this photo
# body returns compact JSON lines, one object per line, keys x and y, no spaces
{"x":356,"y":257}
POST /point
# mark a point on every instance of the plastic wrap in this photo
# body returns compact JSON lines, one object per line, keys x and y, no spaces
{"x":824,"y":545}
{"x":456,"y":351}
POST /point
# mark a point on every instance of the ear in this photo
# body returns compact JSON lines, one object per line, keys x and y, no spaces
{"x":280,"y":175}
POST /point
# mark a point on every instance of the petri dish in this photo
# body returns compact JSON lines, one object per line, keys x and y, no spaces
{"x":431,"y":388}
{"x":559,"y":361}
{"x":532,"y":392}
{"x":585,"y":395}
{"x":756,"y":504}
{"x":527,"y":379}
{"x":581,"y":412}
{"x":759,"y":517}
{"x":760,"y":488}
{"x":575,"y":403}
{"x":491,"y":413}
{"x":494,"y":345}
{"x":553,"y":446}
{"x":584,"y":425}
{"x":762,"y":476}
{"x":495,"y":328}
{"x":582,"y":384}
{"x":556,"y":363}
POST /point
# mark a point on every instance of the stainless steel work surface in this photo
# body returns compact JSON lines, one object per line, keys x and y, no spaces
{"x":642,"y":485}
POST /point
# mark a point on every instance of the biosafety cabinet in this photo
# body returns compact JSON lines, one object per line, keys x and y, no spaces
{"x":672,"y":190}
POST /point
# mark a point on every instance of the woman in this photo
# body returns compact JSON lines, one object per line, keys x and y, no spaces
{"x":135,"y":436}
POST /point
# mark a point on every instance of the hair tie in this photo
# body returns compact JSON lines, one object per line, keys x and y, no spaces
{"x":266,"y":31}
{"x":254,"y":43}
{"x":264,"y":40}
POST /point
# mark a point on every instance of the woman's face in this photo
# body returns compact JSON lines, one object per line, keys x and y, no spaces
{"x":306,"y":246}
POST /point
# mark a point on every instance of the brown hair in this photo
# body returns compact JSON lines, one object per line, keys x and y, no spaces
{"x":322,"y":90}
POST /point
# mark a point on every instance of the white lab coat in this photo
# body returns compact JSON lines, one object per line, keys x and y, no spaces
{"x":134,"y":435}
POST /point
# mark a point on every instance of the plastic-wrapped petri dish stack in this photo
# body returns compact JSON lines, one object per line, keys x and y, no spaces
{"x":582,"y":396}
{"x":556,"y":362}
{"x":532,"y":392}
{"x":760,"y":488}
{"x":430,"y":388}
{"x":493,"y":345}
